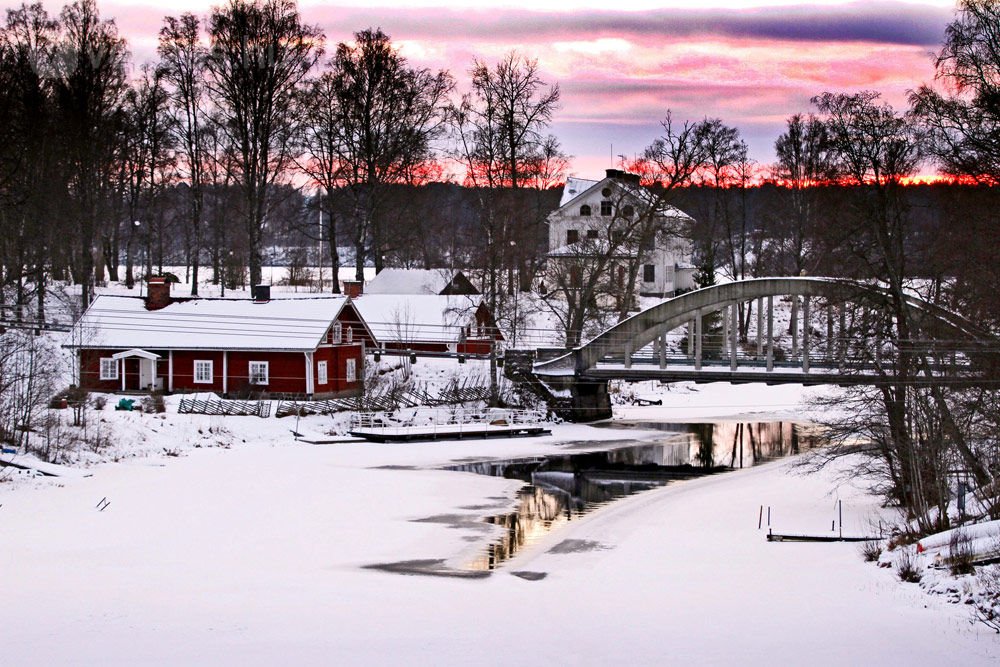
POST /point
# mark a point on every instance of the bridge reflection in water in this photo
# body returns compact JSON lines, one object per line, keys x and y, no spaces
{"x":562,"y":488}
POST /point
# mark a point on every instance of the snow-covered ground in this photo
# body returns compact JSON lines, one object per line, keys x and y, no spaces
{"x":256,"y":554}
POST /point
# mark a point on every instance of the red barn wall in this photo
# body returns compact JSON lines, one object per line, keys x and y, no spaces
{"x":184,"y":370}
{"x":286,"y":371}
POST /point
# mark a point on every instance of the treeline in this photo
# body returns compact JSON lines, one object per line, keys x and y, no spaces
{"x":206,"y":154}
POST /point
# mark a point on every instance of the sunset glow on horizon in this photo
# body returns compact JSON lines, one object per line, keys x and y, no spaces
{"x":752,"y":64}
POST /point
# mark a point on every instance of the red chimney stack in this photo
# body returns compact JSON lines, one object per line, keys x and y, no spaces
{"x":158,"y":295}
{"x":353,"y":288}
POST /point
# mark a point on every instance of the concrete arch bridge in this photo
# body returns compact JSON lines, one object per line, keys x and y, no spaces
{"x":835,"y":331}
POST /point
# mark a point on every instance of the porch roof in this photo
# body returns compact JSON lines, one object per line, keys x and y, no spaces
{"x":135,"y":352}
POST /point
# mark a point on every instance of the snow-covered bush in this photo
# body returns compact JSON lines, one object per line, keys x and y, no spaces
{"x":986,"y":608}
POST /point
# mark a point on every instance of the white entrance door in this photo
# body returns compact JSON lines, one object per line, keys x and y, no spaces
{"x":146,"y":373}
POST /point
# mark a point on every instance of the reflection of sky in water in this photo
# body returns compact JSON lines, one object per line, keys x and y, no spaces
{"x":563,"y":488}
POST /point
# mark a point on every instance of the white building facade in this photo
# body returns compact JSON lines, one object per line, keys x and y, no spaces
{"x":591,"y":212}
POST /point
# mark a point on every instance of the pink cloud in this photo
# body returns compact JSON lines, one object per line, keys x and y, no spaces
{"x":621,"y":71}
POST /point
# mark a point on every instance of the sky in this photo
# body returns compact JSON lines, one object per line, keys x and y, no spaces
{"x":751,"y":64}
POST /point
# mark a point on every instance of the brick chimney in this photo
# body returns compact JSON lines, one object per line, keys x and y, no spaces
{"x":158,"y":294}
{"x":354,"y":288}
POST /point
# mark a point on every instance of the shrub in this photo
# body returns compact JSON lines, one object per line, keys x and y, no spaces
{"x":871,"y":550}
{"x":154,"y":403}
{"x":906,"y":567}
{"x":986,"y":608}
{"x":960,"y":556}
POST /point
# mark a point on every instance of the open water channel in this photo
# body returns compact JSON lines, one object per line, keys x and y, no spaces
{"x":564,"y":487}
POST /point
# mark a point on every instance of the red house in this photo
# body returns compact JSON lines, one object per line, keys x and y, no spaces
{"x":278,"y":346}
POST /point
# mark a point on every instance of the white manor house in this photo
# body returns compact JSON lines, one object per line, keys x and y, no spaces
{"x":589,"y":207}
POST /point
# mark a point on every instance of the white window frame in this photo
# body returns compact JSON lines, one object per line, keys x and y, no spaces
{"x":109,"y":363}
{"x":350,"y":334}
{"x":351,"y":370}
{"x":338,"y":333}
{"x":204,"y":363}
{"x":321,"y":375}
{"x":260,"y":365}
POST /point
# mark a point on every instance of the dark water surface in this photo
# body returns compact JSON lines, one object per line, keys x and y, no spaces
{"x":564,"y":487}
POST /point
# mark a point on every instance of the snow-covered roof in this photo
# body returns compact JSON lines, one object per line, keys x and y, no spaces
{"x":575,"y":187}
{"x":410,"y":281}
{"x":416,"y":317}
{"x":114,"y":322}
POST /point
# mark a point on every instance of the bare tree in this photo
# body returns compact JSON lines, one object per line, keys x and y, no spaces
{"x":260,"y":53}
{"x":89,"y":84}
{"x":371,"y":123}
{"x":804,"y":163}
{"x":499,"y":131}
{"x":30,"y":190}
{"x":182,"y":63}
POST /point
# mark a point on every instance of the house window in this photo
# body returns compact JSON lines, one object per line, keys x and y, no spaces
{"x":109,"y":368}
{"x":618,"y":236}
{"x":628,"y":211}
{"x":203,"y":371}
{"x":575,"y":277}
{"x":668,"y":274}
{"x":258,"y":372}
{"x":605,"y":208}
{"x":321,"y":376}
{"x":572,"y":236}
{"x":648,"y":273}
{"x":606,"y":192}
{"x":337,"y":333}
{"x":352,"y":370}
{"x":350,"y":334}
{"x":585,"y":210}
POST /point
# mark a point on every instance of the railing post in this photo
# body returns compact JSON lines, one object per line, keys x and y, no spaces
{"x":725,"y":331}
{"x":760,"y":327}
{"x":805,"y":334}
{"x":842,"y":339}
{"x":794,"y":326}
{"x":734,"y":329}
{"x":698,"y":324}
{"x":770,"y":333}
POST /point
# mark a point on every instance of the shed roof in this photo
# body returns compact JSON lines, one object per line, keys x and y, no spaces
{"x":424,"y":318}
{"x":414,"y":281}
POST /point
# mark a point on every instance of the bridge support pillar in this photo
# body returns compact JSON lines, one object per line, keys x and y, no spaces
{"x":663,"y":349}
{"x":691,"y":335}
{"x":590,"y":402}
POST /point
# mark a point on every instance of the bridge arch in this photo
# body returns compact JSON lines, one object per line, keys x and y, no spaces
{"x":645,"y":327}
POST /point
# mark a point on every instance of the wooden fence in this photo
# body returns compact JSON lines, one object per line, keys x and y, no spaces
{"x":225,"y":407}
